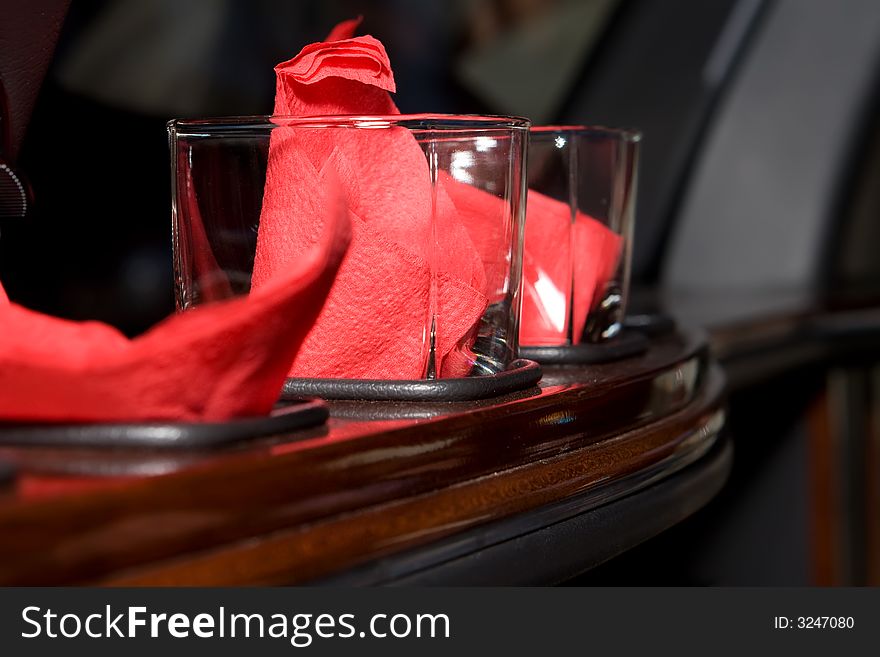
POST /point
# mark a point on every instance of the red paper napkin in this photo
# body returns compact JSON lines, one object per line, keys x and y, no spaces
{"x":596,"y":251}
{"x":547,"y":272}
{"x":401,"y":272}
{"x":219,"y":361}
{"x":565,"y":264}
{"x":342,"y":75}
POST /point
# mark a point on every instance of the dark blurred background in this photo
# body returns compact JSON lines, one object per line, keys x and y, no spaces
{"x":759,"y":192}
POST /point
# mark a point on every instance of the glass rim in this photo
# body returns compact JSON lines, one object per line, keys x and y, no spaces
{"x":625,"y":134}
{"x":440,"y":122}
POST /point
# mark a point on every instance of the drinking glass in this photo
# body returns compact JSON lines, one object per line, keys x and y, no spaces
{"x":582,"y":197}
{"x":430,"y":286}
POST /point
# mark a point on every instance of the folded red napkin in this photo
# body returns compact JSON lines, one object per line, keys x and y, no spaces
{"x":547,"y":272}
{"x":566,"y":267}
{"x":402,"y":276}
{"x":565,"y":264}
{"x":596,"y":254}
{"x":218,"y":361}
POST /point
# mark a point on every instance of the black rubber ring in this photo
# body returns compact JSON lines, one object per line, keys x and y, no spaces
{"x":519,"y":374}
{"x":627,"y":344}
{"x":166,"y":435}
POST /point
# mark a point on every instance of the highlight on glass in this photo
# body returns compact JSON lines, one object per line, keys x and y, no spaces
{"x":429,"y":287}
{"x":581,"y":207}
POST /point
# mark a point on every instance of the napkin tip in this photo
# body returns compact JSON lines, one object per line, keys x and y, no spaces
{"x":345,"y":29}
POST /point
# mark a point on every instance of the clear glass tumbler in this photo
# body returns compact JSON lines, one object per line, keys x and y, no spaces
{"x":430,"y":285}
{"x":581,"y":204}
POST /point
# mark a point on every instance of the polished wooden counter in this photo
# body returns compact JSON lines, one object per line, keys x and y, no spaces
{"x":380,"y":480}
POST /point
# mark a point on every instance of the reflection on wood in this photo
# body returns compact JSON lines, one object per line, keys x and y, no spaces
{"x":294,"y":509}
